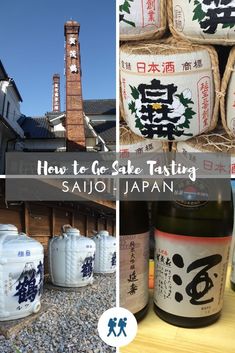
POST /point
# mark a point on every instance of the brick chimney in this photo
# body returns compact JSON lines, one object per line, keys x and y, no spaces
{"x":75,"y":133}
{"x":56,"y":93}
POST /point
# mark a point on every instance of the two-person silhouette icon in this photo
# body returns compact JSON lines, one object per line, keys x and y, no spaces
{"x":112,"y":324}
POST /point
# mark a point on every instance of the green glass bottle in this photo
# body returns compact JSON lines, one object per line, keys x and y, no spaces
{"x":134,"y":257}
{"x":191,"y":256}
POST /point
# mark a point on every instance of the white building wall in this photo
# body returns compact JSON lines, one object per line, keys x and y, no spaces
{"x":45,"y":145}
{"x":9,"y":127}
{"x":6,"y":142}
{"x":1,"y":97}
{"x":58,"y":127}
{"x":11,"y":101}
{"x":102,"y":117}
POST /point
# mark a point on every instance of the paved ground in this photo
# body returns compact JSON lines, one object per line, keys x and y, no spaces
{"x":70,"y":326}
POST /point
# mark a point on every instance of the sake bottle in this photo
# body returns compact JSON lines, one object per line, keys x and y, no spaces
{"x":191,"y":256}
{"x":232,"y":278}
{"x":134,"y":257}
{"x":151,"y":252}
{"x":151,"y":259}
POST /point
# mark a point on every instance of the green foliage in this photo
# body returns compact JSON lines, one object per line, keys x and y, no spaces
{"x":228,"y":25}
{"x":189,"y":113}
{"x":138,"y":124}
{"x":125,"y":7}
{"x":183,"y":100}
{"x":132,"y":107}
{"x":199,"y":14}
{"x":134,"y":92}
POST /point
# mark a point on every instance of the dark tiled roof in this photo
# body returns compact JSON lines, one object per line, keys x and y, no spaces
{"x":99,"y":106}
{"x":106,"y":130}
{"x":17,"y":91}
{"x":93,"y":107}
{"x":36,"y":127}
{"x":39,"y":127}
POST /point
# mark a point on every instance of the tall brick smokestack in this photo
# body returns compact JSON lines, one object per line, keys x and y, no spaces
{"x":56,"y":93}
{"x":75,"y":133}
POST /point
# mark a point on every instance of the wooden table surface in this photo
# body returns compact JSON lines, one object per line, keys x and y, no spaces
{"x":156,"y":336}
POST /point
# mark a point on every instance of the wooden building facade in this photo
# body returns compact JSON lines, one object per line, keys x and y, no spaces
{"x":43,"y":220}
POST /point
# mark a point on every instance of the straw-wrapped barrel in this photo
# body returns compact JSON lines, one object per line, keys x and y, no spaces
{"x":228,"y":96}
{"x":217,"y":142}
{"x":142,"y":19}
{"x":131,"y":143}
{"x":203,"y":21}
{"x":169,"y":89}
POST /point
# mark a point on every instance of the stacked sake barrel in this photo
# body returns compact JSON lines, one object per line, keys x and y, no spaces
{"x":142,"y":19}
{"x":216,"y":141}
{"x":228,"y":96}
{"x":131,"y":143}
{"x":170,"y":83}
{"x":202,"y":21}
{"x":209,"y":22}
{"x":162,"y":98}
{"x":139,"y":20}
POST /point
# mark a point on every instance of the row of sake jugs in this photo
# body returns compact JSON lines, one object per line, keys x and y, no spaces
{"x":198,"y":21}
{"x":73,"y":259}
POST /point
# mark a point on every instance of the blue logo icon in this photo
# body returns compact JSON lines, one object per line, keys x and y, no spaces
{"x":117,"y":327}
{"x":112,"y":324}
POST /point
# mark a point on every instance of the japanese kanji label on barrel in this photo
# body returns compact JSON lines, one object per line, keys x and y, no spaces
{"x":140,"y":17}
{"x":141,"y":147}
{"x":211,"y":21}
{"x":134,"y":258}
{"x":219,"y":144}
{"x":167,"y":97}
{"x":190,"y":274}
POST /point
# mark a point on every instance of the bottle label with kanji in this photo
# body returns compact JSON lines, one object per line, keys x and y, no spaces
{"x":190,"y":274}
{"x":232,"y":278}
{"x":134,"y":258}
